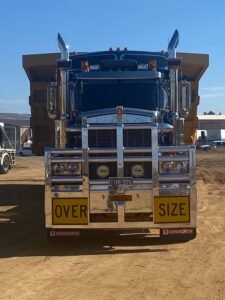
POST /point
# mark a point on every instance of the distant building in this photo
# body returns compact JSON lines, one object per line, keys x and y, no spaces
{"x":17,"y":127}
{"x":212,"y":127}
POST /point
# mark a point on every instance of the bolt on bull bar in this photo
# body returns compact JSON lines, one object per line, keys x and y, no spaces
{"x":73,"y":200}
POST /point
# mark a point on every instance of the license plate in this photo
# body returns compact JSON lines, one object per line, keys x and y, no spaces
{"x":171,"y":209}
{"x":114,"y":182}
{"x":70,"y":211}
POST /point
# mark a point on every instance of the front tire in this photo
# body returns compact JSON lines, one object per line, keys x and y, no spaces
{"x":4,"y":168}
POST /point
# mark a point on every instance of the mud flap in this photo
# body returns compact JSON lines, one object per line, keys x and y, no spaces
{"x":53,"y":234}
{"x":177,"y":234}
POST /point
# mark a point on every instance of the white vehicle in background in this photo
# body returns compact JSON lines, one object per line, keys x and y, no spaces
{"x":25,"y":151}
{"x":218,"y":144}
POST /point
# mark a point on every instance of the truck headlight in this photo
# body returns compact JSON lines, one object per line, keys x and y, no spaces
{"x":166,"y":166}
{"x":182,"y":167}
{"x":74,"y":169}
{"x":103,"y":171}
{"x":137,"y":171}
{"x":173,"y":167}
{"x":59,"y":169}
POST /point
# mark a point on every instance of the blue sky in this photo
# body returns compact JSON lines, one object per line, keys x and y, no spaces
{"x":30,"y":27}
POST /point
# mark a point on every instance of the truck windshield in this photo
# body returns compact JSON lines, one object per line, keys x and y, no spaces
{"x":133,"y":93}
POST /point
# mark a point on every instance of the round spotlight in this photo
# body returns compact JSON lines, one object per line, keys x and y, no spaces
{"x":103,"y":171}
{"x":137,"y":171}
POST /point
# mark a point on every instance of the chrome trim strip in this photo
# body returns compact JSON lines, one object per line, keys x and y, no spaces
{"x":66,"y":179}
{"x":174,"y":158}
{"x":126,"y":110}
{"x":120,"y":168}
{"x":137,"y":150}
{"x":102,"y":159}
{"x":106,"y":181}
{"x":155,"y":165}
{"x":101,"y":127}
{"x":120,"y":164}
{"x":193,"y":189}
{"x":104,"y":126}
{"x":85,"y":150}
{"x":85,"y":164}
{"x":175,"y":148}
{"x":137,"y":158}
{"x":102,"y":150}
{"x":47,"y":168}
{"x":142,"y":181}
{"x":174,"y":177}
{"x":138,"y":126}
{"x":66,"y":150}
{"x":73,"y":129}
{"x":66,"y":160}
{"x":85,"y":136}
{"x":99,"y":188}
{"x":99,"y":181}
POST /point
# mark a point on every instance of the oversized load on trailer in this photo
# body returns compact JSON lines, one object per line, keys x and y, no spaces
{"x":125,"y":127}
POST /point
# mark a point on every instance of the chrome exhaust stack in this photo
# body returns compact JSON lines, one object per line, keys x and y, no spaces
{"x":63,"y":65}
{"x":173,"y":44}
{"x":63,"y":48}
{"x":174,"y":63}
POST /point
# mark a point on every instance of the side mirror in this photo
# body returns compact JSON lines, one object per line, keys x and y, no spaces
{"x":185,"y":102}
{"x":52,"y":100}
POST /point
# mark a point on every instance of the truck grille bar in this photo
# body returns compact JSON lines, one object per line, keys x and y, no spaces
{"x":122,"y":144}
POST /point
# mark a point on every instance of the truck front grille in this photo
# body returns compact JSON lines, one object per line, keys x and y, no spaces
{"x":137,"y":138}
{"x":106,"y":138}
{"x":102,"y":138}
{"x":103,"y":151}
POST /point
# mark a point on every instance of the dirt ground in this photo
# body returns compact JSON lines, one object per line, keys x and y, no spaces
{"x":109,"y":268}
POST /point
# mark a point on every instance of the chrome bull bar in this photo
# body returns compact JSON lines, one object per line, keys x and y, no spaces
{"x":99,"y":190}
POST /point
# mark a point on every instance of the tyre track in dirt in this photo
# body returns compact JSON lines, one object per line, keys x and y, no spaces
{"x":109,"y":267}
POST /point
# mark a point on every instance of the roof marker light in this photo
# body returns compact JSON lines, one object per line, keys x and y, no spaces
{"x":85,"y":66}
{"x":152,"y":65}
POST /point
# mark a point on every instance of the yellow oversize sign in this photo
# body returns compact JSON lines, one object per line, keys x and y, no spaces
{"x":70,"y":211}
{"x":171,"y":209}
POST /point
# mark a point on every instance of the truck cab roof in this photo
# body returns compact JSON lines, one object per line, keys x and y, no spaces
{"x":138,"y":57}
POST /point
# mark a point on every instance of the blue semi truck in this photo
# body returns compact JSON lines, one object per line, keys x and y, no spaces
{"x":124,"y":155}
